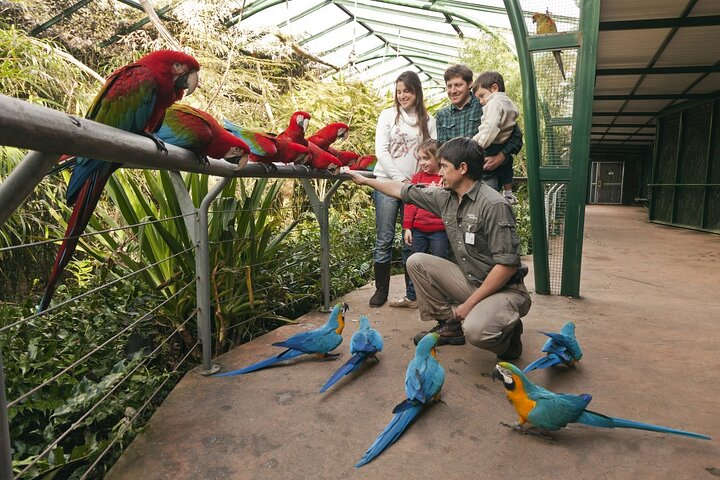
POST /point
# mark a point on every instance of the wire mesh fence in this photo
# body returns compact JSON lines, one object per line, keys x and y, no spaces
{"x":555,"y":209}
{"x":83,"y":375}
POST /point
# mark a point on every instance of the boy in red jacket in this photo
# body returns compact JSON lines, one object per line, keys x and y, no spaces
{"x":423,"y":231}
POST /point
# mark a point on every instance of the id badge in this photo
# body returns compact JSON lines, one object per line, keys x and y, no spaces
{"x":470,"y":238}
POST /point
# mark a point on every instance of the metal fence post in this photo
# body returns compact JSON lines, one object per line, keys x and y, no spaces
{"x":202,"y":285}
{"x":5,"y":447}
{"x":321,"y":210}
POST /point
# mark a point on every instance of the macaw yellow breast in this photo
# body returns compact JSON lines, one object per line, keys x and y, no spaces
{"x":341,"y":324}
{"x":518,"y":397}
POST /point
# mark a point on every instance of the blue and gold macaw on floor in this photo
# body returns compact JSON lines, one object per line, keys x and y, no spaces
{"x":552,"y":411}
{"x":561,"y":348}
{"x":365,"y":343}
{"x":423,"y":381}
{"x":319,"y":341}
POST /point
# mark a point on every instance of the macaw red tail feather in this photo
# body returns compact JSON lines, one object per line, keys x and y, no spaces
{"x":85,"y":204}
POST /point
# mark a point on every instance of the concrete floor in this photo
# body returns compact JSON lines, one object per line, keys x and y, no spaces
{"x":648,"y":321}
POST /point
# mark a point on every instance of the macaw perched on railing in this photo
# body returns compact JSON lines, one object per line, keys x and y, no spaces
{"x":268,"y":149}
{"x":552,"y":411}
{"x":364,"y":344}
{"x":365,"y":162}
{"x":134,"y":98}
{"x":561,"y":348}
{"x":260,"y":144}
{"x":297,"y":128}
{"x":315,"y":342}
{"x":198,"y":131}
{"x":329,"y":134}
{"x":423,"y":380}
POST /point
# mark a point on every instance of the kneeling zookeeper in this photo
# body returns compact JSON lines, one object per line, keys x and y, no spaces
{"x":486,"y":284}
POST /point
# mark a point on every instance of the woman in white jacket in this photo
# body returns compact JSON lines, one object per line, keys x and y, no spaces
{"x":400,"y":129}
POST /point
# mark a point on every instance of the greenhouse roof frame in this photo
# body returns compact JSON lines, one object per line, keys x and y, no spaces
{"x":653,"y":55}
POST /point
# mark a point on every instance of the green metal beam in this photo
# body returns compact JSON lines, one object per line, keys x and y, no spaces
{"x":532,"y":149}
{"x":678,"y":153}
{"x":419,"y":57}
{"x":660,"y":50}
{"x":658,"y":70}
{"x":500,"y":10}
{"x":625,"y":114}
{"x":455,"y":15}
{"x":346,"y":44}
{"x":326,"y":31}
{"x":656,"y":96}
{"x":580,"y":148}
{"x":555,"y":41}
{"x":616,"y":140}
{"x":135,"y":26}
{"x":405,"y":28}
{"x":710,"y":155}
{"x":59,"y":17}
{"x":256,"y":7}
{"x":620,"y":134}
{"x":623,"y":125}
{"x":683,"y":21}
{"x":559,"y":122}
{"x":307,"y":12}
{"x":555,"y":174}
{"x":380,"y":9}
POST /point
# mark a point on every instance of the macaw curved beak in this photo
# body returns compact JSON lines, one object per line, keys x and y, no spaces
{"x":188,"y":82}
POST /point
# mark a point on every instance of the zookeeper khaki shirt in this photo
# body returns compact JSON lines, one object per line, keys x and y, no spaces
{"x":481,"y":227}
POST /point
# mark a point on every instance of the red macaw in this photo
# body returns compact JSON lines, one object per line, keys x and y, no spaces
{"x":267,"y":148}
{"x":297,"y":127}
{"x":320,"y":159}
{"x":134,"y":98}
{"x":346,"y":157}
{"x":199,"y":132}
{"x":287,"y":152}
{"x":330,"y":133}
{"x":365,"y":162}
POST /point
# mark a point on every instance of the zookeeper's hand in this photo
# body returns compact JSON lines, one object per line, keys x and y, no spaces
{"x":462,"y":311}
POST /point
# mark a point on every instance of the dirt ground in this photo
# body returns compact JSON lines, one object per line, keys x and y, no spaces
{"x":649,"y":324}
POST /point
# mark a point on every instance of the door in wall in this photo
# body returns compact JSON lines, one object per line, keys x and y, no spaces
{"x":606,"y":182}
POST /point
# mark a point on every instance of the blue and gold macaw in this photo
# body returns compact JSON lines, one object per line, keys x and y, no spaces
{"x":552,"y":411}
{"x":365,"y":343}
{"x":319,"y":342}
{"x":423,"y":381}
{"x":561,"y":348}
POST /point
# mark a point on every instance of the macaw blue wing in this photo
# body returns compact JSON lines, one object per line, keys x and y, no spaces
{"x":286,"y":355}
{"x":559,"y":342}
{"x":350,"y":366}
{"x":599,"y":420}
{"x":555,"y":410}
{"x":321,"y":340}
{"x":543,"y":362}
{"x":391,"y":433}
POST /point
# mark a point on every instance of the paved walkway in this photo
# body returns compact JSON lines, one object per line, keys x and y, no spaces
{"x":649,"y":322}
